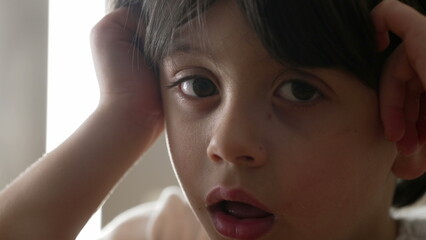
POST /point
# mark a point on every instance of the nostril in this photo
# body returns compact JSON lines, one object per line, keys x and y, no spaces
{"x":215,"y":157}
{"x":241,"y":159}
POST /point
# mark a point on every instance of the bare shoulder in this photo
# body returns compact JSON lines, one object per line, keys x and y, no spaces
{"x":169,"y":216}
{"x":130,"y":224}
{"x":413,"y":229}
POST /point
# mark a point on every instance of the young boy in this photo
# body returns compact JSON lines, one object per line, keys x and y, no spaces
{"x":262,"y":149}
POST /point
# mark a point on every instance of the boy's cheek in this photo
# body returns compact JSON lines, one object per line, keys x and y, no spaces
{"x":338,"y":166}
{"x":321,"y":196}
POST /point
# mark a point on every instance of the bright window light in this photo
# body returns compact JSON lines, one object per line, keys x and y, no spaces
{"x":72,"y":86}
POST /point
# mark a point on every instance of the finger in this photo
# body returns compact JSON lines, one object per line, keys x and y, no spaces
{"x":112,"y":43}
{"x":381,"y":30}
{"x":396,"y":73}
{"x":382,"y":39}
{"x":407,"y":167}
{"x":412,"y":100}
{"x":421,"y":122}
{"x":407,"y":23}
{"x":401,"y":19}
{"x":410,"y":141}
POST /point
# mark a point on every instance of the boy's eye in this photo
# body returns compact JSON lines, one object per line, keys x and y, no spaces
{"x":298,"y":91}
{"x":198,"y":87}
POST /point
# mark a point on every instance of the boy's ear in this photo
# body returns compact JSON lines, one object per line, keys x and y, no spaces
{"x":410,"y":167}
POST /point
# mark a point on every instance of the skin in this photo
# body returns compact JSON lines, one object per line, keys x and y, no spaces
{"x":316,"y":164}
{"x":354,"y":182}
{"x":403,"y":81}
{"x":45,"y":201}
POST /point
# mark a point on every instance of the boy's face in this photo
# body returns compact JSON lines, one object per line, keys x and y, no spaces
{"x":305,"y":143}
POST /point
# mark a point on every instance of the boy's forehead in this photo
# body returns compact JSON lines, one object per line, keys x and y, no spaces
{"x":190,"y":45}
{"x":214,"y":29}
{"x":221,"y":49}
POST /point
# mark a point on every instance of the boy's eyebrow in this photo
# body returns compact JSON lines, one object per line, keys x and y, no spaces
{"x":183,"y":46}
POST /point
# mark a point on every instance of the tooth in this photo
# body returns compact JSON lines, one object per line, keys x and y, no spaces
{"x":243,"y":210}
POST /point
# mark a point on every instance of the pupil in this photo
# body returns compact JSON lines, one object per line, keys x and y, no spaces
{"x":303,"y":91}
{"x":203,"y":87}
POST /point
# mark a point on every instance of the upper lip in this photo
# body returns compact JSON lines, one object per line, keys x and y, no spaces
{"x":220,"y":194}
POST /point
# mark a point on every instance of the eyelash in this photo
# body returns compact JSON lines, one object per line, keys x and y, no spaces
{"x":309,"y":102}
{"x":317,"y":94}
{"x":181,"y":80}
{"x":209,"y":90}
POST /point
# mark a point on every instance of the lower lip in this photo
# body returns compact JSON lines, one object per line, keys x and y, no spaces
{"x":242,"y":229}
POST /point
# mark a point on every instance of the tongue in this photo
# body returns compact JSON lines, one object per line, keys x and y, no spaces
{"x":242,"y":210}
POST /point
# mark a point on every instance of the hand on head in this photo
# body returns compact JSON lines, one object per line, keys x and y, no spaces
{"x":125,"y":79}
{"x":403,"y":82}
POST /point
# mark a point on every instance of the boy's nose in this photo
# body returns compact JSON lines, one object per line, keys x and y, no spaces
{"x":238,"y":139}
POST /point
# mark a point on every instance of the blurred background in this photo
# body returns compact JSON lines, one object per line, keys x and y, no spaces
{"x":48,"y":88}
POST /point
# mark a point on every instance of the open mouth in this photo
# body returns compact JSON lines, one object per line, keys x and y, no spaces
{"x":234,"y":216}
{"x":240,"y":210}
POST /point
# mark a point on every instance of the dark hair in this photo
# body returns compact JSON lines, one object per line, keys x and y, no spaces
{"x":311,"y":33}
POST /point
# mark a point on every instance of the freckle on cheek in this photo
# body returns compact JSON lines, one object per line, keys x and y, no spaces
{"x":269,"y":116}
